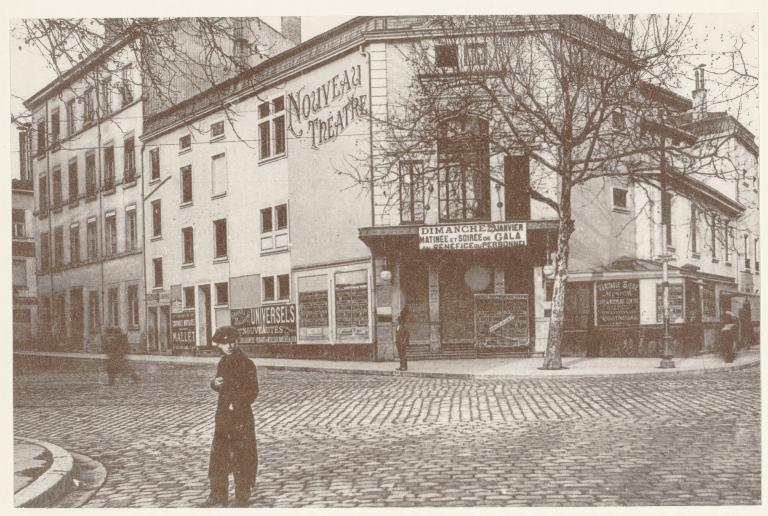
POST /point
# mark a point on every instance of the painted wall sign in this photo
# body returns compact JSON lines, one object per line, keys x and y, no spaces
{"x":502,"y":320}
{"x":675,"y":303}
{"x":473,"y":236}
{"x":324,"y":111}
{"x":183,"y":330}
{"x":618,"y":302}
{"x":352,"y":312}
{"x":270,"y":324}
{"x":313,"y":315}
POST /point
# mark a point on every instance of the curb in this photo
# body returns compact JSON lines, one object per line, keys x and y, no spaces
{"x":408,"y":374}
{"x":52,"y":484}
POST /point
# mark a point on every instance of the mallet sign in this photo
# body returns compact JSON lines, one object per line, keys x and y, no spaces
{"x":473,"y":236}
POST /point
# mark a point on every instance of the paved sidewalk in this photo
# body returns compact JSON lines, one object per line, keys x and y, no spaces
{"x":42,"y":472}
{"x":468,"y":368}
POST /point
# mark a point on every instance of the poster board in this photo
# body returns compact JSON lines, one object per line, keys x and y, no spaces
{"x":313,"y":315}
{"x":269,"y":324}
{"x":502,"y":320}
{"x":675,"y":302}
{"x":617,"y":302}
{"x":183,"y":330}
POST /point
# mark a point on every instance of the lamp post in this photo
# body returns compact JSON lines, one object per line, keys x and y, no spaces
{"x":666,"y":357}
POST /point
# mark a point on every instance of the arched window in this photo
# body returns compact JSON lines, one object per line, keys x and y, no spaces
{"x":464,"y":192}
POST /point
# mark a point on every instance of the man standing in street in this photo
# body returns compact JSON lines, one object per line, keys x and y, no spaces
{"x":116,"y":347}
{"x":234,"y":438}
{"x":402,"y":337}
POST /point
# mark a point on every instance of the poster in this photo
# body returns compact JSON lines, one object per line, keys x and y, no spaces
{"x":269,"y":324}
{"x":352,"y":312}
{"x":675,"y":303}
{"x":502,"y":320}
{"x":313,"y":315}
{"x":183,"y":330}
{"x":473,"y":236}
{"x":618,"y":302}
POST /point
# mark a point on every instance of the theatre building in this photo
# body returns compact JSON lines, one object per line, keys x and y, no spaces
{"x":263,"y":211}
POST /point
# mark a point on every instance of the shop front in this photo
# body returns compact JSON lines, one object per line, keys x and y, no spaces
{"x":469,"y":289}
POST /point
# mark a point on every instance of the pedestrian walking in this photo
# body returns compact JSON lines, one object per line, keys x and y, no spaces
{"x":234,"y":438}
{"x":728,"y":337}
{"x":402,"y":337}
{"x":116,"y":347}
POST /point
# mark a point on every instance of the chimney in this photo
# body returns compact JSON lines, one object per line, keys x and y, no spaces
{"x":290,"y":27}
{"x":699,"y":94}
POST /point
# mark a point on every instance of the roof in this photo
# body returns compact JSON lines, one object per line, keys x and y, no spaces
{"x":716,"y":122}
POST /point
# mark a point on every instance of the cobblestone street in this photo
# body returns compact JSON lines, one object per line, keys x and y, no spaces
{"x":342,"y":440}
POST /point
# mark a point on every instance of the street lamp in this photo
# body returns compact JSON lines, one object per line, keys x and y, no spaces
{"x":666,"y":357}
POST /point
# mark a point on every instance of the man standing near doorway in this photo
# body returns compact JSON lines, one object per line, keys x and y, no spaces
{"x":234,"y":439}
{"x":402,"y":337}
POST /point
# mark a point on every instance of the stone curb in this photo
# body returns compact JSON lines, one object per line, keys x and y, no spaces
{"x":410,"y":374}
{"x":52,"y":484}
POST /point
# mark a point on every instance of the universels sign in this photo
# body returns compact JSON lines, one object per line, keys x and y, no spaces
{"x":473,"y":236}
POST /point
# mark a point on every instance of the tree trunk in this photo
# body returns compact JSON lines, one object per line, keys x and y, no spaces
{"x":552,"y":354}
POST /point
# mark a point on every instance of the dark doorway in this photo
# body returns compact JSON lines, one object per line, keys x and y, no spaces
{"x":517,"y":199}
{"x":76,"y":319}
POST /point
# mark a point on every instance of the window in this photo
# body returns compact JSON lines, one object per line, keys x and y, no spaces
{"x":464,"y":182}
{"x":189,"y":297}
{"x":222,"y":293}
{"x":268,"y":288}
{"x":113,"y":307}
{"x":43,"y":193}
{"x":272,"y":128}
{"x":133,"y":306}
{"x":186,"y":184}
{"x":74,"y":243}
{"x":20,"y":274}
{"x":70,"y":112}
{"x":22,"y":316}
{"x":713,"y":234}
{"x":57,"y":187}
{"x":110,"y":234}
{"x":620,"y":198}
{"x":130,"y":229}
{"x":727,"y":237}
{"x":475,"y":54}
{"x":41,"y":137}
{"x":126,"y":89}
{"x":157,"y":229}
{"x":45,"y":251}
{"x":274,"y":228}
{"x":446,"y":56}
{"x":72,"y":181}
{"x":283,"y":286}
{"x":157,"y":267}
{"x":90,"y":174}
{"x":747,"y":263}
{"x":106,"y":96}
{"x":88,"y":105}
{"x":276,"y":288}
{"x":219,"y":175}
{"x":217,"y":130}
{"x":666,"y":215}
{"x":188,"y":246}
{"x":55,"y":125}
{"x":185,"y":143}
{"x":93,"y":239}
{"x":220,"y":234}
{"x":411,"y":192}
{"x":19,"y":223}
{"x":94,"y":315}
{"x":154,"y":158}
{"x":109,"y":167}
{"x":58,"y":246}
{"x":129,"y":159}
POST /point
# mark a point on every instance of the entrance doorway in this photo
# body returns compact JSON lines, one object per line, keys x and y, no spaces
{"x":204,"y":315}
{"x":414,"y":280}
{"x":164,"y":329}
{"x":460,"y":280}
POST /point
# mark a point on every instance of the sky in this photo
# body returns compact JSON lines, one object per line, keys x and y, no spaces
{"x":711,"y":37}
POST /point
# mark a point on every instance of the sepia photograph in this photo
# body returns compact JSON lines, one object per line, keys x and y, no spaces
{"x":400,"y":261}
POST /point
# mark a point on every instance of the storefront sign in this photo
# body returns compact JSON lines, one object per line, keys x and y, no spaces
{"x":618,"y":302}
{"x":473,"y":236}
{"x":271,"y":324}
{"x":501,"y":320}
{"x":324,"y":111}
{"x":675,"y":303}
{"x":313,"y":315}
{"x":183,"y":329}
{"x":352,"y":312}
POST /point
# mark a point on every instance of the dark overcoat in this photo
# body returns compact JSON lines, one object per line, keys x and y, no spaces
{"x":234,"y":437}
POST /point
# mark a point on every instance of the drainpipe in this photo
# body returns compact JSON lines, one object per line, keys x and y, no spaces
{"x":100,"y":220}
{"x":143,"y":248}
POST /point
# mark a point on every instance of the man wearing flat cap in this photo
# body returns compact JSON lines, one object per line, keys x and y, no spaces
{"x":234,"y":438}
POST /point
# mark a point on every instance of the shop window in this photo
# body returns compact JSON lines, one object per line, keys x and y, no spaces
{"x":620,"y":198}
{"x":70,"y":113}
{"x":133,"y":306}
{"x":475,"y":54}
{"x":58,"y":246}
{"x":154,"y":159}
{"x":131,"y":242}
{"x":222,"y":293}
{"x":157,"y":267}
{"x":110,"y":234}
{"x":56,"y":187}
{"x":90,"y":174}
{"x":411,"y":192}
{"x":45,"y":251}
{"x":274,"y":228}
{"x":113,"y":307}
{"x":464,"y":189}
{"x":157,"y":223}
{"x":94,"y":314}
{"x":72,"y":185}
{"x":188,"y":243}
{"x":92,"y":239}
{"x":74,"y":243}
{"x":185,"y":143}
{"x":217,"y":130}
{"x":220,"y":238}
{"x":447,"y":56}
{"x":185,"y":176}
{"x":189,"y":297}
{"x":129,"y":159}
{"x":109,"y":167}
{"x":272,"y":128}
{"x":219,"y":175}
